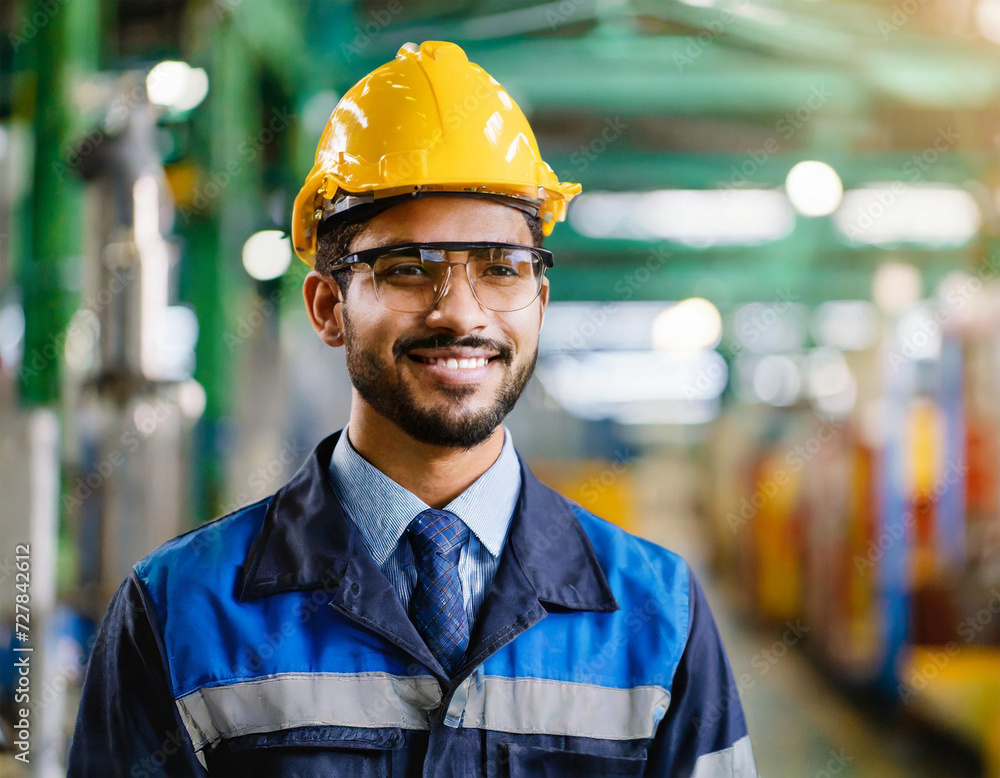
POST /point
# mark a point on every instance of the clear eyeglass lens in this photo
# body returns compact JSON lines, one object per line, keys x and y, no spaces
{"x":503,"y":279}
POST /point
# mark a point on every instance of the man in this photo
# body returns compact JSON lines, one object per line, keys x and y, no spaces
{"x":414,"y":601}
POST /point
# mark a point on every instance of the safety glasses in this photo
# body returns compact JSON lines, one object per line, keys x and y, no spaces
{"x":413,"y":277}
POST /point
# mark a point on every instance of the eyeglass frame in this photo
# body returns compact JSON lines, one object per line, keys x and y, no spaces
{"x":371,"y":256}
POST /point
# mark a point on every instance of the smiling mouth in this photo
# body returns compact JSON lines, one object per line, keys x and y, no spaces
{"x":464,"y":363}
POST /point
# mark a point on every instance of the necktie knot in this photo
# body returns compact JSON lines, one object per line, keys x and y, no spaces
{"x":436,"y":605}
{"x":436,"y":531}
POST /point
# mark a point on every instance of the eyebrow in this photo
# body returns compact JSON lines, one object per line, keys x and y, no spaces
{"x":393,"y":240}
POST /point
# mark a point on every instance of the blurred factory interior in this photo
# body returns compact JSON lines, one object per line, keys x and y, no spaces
{"x":773,"y":343}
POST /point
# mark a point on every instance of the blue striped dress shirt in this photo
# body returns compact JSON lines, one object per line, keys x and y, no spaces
{"x":382,"y":510}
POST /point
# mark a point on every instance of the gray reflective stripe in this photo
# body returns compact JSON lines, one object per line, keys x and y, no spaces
{"x":197,"y":720}
{"x":516,"y":705}
{"x":308,"y":699}
{"x":541,"y":706}
{"x":734,"y":762}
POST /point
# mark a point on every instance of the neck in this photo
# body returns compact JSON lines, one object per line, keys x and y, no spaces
{"x":435,"y":474}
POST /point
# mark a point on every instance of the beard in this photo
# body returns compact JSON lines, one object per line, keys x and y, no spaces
{"x":382,"y":386}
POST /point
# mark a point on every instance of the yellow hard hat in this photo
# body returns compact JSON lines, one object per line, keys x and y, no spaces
{"x":428,"y":121}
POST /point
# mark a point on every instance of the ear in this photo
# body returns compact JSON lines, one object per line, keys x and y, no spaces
{"x":544,"y":297}
{"x":323,"y":304}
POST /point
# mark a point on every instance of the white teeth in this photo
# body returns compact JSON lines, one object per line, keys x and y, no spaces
{"x":458,"y":364}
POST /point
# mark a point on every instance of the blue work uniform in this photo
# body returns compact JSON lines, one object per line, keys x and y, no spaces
{"x":269,"y":643}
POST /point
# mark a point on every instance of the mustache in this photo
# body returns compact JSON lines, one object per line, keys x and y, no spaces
{"x":404,"y":345}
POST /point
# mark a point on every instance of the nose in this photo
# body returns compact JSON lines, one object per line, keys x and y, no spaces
{"x":457,"y":310}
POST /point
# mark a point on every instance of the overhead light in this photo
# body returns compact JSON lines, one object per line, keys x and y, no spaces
{"x":593,"y":326}
{"x":827,"y":372}
{"x":617,"y":384}
{"x":695,"y":217}
{"x":689,"y":325}
{"x":175,"y":339}
{"x":770,"y":328}
{"x":776,"y":380}
{"x":11,"y":334}
{"x":758,"y":14}
{"x":963,"y":296}
{"x":176,"y":85}
{"x":894,"y":213}
{"x":192,"y":399}
{"x":918,"y":334}
{"x":604,"y":214}
{"x":814,"y":188}
{"x":839,"y":404}
{"x":714,"y":217}
{"x":267,"y":254}
{"x":848,"y":325}
{"x":896,"y":286}
{"x":988,"y":19}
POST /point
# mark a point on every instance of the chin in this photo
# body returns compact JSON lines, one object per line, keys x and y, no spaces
{"x":450,"y":432}
{"x":455,"y":411}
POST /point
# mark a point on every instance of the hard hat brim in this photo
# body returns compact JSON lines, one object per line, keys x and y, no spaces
{"x":366,"y":207}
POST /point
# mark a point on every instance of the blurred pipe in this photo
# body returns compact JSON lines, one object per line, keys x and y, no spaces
{"x":43,"y":440}
{"x":215,"y":234}
{"x":125,"y":177}
{"x":63,"y":48}
{"x":139,"y":426}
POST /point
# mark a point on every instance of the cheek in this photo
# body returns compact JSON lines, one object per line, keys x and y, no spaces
{"x":367,"y":318}
{"x":524,"y":332}
{"x":376,"y":330}
{"x":375,"y":337}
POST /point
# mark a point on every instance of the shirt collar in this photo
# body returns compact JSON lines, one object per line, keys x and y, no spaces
{"x":307,"y":541}
{"x":382,"y":509}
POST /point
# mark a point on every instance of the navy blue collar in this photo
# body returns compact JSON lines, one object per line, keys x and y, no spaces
{"x":308,"y":542}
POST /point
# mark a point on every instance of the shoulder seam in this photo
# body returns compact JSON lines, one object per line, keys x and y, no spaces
{"x":153,"y":619}
{"x":199,"y":528}
{"x":631,"y":535}
{"x":225,"y":516}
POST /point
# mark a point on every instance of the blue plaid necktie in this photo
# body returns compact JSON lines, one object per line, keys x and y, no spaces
{"x":436,"y":606}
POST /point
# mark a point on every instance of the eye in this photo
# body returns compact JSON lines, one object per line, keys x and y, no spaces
{"x":499,"y":269}
{"x":502,"y":262}
{"x":400,"y":265}
{"x":404,"y":269}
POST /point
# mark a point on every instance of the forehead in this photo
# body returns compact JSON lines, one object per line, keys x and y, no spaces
{"x":444,"y":219}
